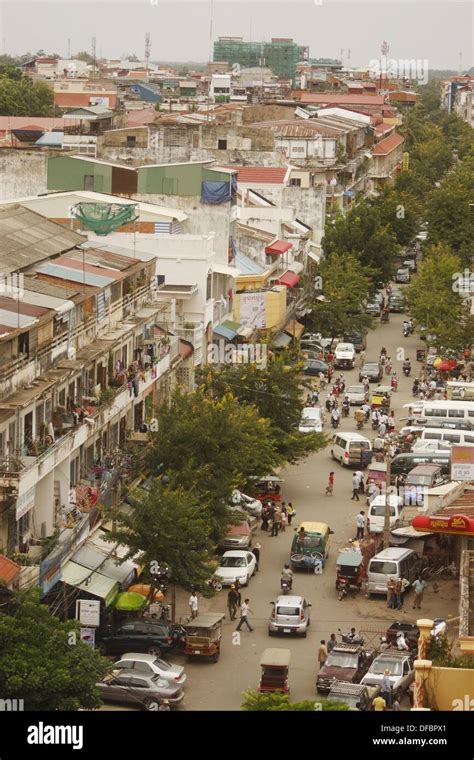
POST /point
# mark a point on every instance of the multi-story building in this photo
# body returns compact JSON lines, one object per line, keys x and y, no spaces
{"x":82,"y":365}
{"x":281,"y":55}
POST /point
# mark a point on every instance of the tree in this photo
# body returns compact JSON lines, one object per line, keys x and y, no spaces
{"x":449,"y":216}
{"x":436,"y":302}
{"x":209,"y":447}
{"x":254,"y":701}
{"x":43,"y":661}
{"x":170,"y":526}
{"x":344,"y":286}
{"x":275,"y":391}
{"x":23,"y":97}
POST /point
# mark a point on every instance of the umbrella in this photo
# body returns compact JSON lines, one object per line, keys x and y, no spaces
{"x":437,"y":362}
{"x":447,"y":364}
{"x":129,"y":601}
{"x":144,"y":590}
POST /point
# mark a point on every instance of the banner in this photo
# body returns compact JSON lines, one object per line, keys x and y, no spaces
{"x":252,"y":310}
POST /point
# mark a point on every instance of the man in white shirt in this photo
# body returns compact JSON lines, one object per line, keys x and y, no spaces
{"x":193,"y":605}
{"x":244,"y":611}
{"x":360,"y":523}
{"x":355,"y":487}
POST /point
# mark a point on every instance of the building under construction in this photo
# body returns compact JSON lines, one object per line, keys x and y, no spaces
{"x":281,"y":55}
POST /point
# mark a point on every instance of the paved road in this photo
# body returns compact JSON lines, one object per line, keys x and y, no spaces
{"x":220,"y":686}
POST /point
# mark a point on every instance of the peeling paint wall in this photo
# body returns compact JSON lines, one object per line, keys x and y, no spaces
{"x":22,"y":173}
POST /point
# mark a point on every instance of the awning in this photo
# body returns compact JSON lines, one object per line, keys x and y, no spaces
{"x":185,"y":349}
{"x":245,"y":332}
{"x":224,"y":332}
{"x":226,"y":269}
{"x":92,"y":558}
{"x":316,"y":257}
{"x":92,"y":583}
{"x":290,"y":279}
{"x":297,"y":267}
{"x":278,"y":247}
{"x":281,"y":340}
{"x":295,"y":329}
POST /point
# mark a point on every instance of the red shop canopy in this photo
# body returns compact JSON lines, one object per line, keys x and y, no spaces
{"x":278,"y":247}
{"x":290,"y":279}
{"x":454,"y":524}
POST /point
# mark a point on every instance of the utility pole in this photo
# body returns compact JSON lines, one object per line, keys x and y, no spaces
{"x":69,"y":48}
{"x":94,"y":55}
{"x":147,"y":52}
{"x":386,"y":522}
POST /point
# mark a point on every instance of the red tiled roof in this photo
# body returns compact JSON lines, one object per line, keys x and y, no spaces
{"x":331,"y":97}
{"x":141,"y":118}
{"x":8,"y":569}
{"x":387,"y":145}
{"x":380,"y":129}
{"x":260,"y":174}
{"x":82,"y":99}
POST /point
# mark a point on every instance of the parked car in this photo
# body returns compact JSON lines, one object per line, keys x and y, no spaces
{"x":311,"y":420}
{"x":138,"y":636}
{"x":290,"y":614}
{"x":402,"y":275}
{"x":357,"y":394}
{"x":372,"y":370}
{"x":236,"y":565}
{"x":374,"y":308}
{"x":317,"y":338}
{"x":402,"y":672}
{"x":410,"y":264}
{"x":344,"y":356}
{"x":139,"y":690}
{"x":314,"y":367}
{"x":345,"y":662}
{"x":237,"y":537}
{"x":355,"y":695}
{"x":357,"y":338}
{"x":251,"y":505}
{"x":149,"y":665}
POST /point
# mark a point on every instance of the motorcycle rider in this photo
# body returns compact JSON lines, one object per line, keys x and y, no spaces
{"x":416,"y":387}
{"x":335,"y":417}
{"x":346,"y":406}
{"x":359,"y":416}
{"x":406,"y":328}
{"x":287,"y":575}
{"x":353,"y":637}
{"x":394,"y":382}
{"x":366,"y":409}
{"x":407,"y":367}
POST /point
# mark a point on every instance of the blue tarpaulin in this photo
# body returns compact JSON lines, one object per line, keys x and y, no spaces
{"x":215,"y":193}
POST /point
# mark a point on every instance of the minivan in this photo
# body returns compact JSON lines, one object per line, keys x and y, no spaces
{"x":391,"y":563}
{"x":351,"y":449}
{"x":454,"y":437}
{"x":403,"y":275}
{"x":428,"y":475}
{"x":403,"y":463}
{"x":311,"y":420}
{"x":458,"y":410}
{"x":376,"y":512}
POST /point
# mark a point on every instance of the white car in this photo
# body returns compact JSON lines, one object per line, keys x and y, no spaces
{"x":316,"y":338}
{"x":357,"y":394}
{"x":311,"y":420}
{"x":431,"y":446}
{"x":236,"y":566}
{"x":252,"y":506}
{"x":150,"y":665}
{"x":344,"y":356}
{"x":376,"y":512}
{"x":400,"y":665}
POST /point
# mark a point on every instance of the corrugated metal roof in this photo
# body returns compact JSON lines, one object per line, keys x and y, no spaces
{"x":16,"y":319}
{"x":27,"y":238}
{"x":82,"y":263}
{"x":246,"y":265}
{"x":103,"y":257}
{"x":48,"y":289}
{"x":51,"y":139}
{"x":75,"y":275}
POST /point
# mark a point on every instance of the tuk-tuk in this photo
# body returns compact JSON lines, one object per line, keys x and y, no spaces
{"x":349,"y":571}
{"x":377,"y":473}
{"x":381,"y":396}
{"x":268,"y":489}
{"x":275,"y":665}
{"x":203,"y":636}
{"x":310,"y":546}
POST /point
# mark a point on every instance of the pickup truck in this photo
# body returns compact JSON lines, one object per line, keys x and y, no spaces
{"x":344,"y":356}
{"x":345,"y":662}
{"x":400,"y":665}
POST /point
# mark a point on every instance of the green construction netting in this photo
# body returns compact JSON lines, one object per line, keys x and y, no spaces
{"x":103,"y":218}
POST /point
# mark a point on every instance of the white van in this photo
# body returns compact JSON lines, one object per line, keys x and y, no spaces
{"x":457,"y":410}
{"x":311,"y":420}
{"x":376,"y":512}
{"x":391,"y":563}
{"x":351,"y":449}
{"x":457,"y":390}
{"x":453,"y":437}
{"x":344,"y":356}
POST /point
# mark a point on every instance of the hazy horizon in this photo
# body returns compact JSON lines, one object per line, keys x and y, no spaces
{"x":420,"y":29}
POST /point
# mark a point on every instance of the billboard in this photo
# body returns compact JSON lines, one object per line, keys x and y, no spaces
{"x":462,"y":463}
{"x":252,"y":310}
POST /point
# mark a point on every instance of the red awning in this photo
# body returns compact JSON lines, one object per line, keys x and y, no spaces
{"x":278,"y":247}
{"x":290,"y":279}
{"x":185,"y":349}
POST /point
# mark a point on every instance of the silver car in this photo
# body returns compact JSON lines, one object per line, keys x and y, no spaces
{"x":400,"y":667}
{"x":150,"y":665}
{"x":140,"y":690}
{"x":357,"y":394}
{"x":290,"y":614}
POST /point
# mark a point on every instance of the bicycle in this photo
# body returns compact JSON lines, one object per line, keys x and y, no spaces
{"x":313,"y":561}
{"x":428,"y":573}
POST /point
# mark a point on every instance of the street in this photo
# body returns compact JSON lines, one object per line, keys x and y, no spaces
{"x":220,"y":686}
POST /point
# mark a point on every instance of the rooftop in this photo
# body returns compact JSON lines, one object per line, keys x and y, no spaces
{"x":387,"y":145}
{"x":260,"y":174}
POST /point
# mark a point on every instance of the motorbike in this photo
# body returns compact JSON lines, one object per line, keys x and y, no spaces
{"x":406,"y":332}
{"x":215,"y":584}
{"x":285,"y":585}
{"x":345,"y":409}
{"x":407,"y":370}
{"x":360,"y":423}
{"x":415,"y":389}
{"x":341,"y":588}
{"x":347,"y":638}
{"x":335,"y":422}
{"x":388,"y":369}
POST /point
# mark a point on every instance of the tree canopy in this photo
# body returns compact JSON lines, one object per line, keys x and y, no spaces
{"x":20,"y":96}
{"x":254,"y":701}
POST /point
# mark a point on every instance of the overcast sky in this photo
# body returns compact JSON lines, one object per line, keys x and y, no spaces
{"x":180,"y":31}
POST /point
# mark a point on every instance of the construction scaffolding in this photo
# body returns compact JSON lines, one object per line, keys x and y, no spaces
{"x":279,"y":55}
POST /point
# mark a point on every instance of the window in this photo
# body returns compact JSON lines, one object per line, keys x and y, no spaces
{"x":131,"y":141}
{"x":456,"y":413}
{"x":384,"y":568}
{"x":222,"y":144}
{"x":295,"y":182}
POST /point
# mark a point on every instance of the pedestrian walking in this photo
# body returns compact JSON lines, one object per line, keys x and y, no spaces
{"x":193,"y":605}
{"x":360,"y":475}
{"x":284,"y":519}
{"x":233,"y":602}
{"x":361,"y":359}
{"x":276,"y":522}
{"x":330,"y":485}
{"x":322,"y":653}
{"x":391,"y":593}
{"x":331,"y":643}
{"x":360,"y":522}
{"x":244,"y":612}
{"x":419,"y":589}
{"x":256,"y":554}
{"x":379,"y":704}
{"x":290,"y":511}
{"x":386,"y":688}
{"x":355,"y":487}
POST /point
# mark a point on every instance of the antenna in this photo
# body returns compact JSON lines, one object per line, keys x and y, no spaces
{"x":94,"y":52}
{"x":349,"y":58}
{"x":460,"y":61}
{"x":147,"y":51}
{"x":209,"y":67}
{"x":69,"y":48}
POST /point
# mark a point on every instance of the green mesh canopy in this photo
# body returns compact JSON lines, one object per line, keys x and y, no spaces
{"x":103,"y":218}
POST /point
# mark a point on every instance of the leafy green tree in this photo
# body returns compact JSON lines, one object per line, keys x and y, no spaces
{"x":449,"y":216}
{"x":23,"y":97}
{"x":345,"y":285}
{"x":172,"y":527}
{"x":43,"y":661}
{"x":210,"y":446}
{"x":275,"y":391}
{"x":254,"y":701}
{"x":435,"y":301}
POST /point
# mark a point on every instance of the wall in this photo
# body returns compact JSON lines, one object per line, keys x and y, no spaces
{"x":256,"y":113}
{"x":444,"y":685}
{"x":65,"y":173}
{"x":118,"y":137}
{"x":275,"y":307}
{"x":22,"y":173}
{"x":309,"y":205}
